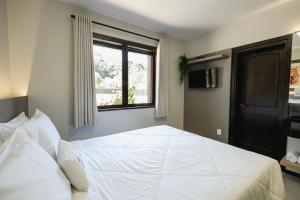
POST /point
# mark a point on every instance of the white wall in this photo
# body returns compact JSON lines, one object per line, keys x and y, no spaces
{"x":42,"y":62}
{"x":5,"y":86}
{"x":296,"y":54}
{"x":275,"y":22}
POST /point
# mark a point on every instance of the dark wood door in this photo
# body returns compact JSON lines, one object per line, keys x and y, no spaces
{"x":260,"y":97}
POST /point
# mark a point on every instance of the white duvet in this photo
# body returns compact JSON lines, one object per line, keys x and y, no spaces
{"x":164,"y":163}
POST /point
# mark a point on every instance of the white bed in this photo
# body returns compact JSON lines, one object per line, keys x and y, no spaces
{"x":164,"y":163}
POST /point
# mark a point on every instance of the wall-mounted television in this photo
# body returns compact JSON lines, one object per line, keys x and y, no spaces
{"x":203,"y":78}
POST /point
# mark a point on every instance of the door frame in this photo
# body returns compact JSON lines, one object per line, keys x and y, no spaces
{"x":285,"y":40}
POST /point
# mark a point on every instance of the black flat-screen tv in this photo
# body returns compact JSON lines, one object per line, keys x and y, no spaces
{"x":203,"y":78}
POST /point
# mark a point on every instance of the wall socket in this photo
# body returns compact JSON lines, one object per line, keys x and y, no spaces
{"x":219,"y":132}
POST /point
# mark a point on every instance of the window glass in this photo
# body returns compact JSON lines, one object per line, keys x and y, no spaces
{"x":108,"y":75}
{"x":139,"y":78}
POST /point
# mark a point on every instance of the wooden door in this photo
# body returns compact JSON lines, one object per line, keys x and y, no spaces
{"x":260,"y":96}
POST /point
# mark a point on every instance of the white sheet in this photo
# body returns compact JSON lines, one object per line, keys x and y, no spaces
{"x":164,"y":163}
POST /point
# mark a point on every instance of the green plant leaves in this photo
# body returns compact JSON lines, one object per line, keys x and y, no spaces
{"x":183,"y":67}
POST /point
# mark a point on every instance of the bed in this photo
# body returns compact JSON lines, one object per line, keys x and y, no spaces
{"x":165,"y":163}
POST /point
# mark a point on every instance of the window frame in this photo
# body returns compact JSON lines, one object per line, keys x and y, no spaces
{"x":127,"y":46}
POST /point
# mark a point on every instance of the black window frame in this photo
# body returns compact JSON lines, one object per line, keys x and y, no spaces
{"x":127,"y":46}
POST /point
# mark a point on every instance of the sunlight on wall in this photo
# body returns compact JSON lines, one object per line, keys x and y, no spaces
{"x":5,"y":90}
{"x":5,"y":87}
{"x":23,"y":37}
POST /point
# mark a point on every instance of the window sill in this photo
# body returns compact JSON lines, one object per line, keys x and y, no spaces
{"x":126,"y":108}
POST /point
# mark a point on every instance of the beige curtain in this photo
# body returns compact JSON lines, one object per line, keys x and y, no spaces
{"x":161,"y":103}
{"x":84,"y":80}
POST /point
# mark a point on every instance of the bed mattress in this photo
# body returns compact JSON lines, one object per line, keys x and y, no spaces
{"x":165,"y":163}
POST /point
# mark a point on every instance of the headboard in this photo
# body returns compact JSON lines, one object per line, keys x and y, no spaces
{"x":10,"y":108}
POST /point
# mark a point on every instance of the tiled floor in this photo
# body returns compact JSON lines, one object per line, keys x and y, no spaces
{"x":292,"y":187}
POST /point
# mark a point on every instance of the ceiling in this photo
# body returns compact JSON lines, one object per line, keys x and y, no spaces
{"x":183,"y":19}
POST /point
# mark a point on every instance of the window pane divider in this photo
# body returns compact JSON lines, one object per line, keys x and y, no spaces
{"x":125,"y":76}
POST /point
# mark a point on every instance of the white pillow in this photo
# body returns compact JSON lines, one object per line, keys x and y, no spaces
{"x":28,"y":172}
{"x":42,"y":130}
{"x":72,"y":165}
{"x":20,"y":119}
{"x":7,"y":129}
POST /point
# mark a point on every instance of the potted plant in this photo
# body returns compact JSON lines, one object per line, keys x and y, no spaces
{"x":183,"y":67}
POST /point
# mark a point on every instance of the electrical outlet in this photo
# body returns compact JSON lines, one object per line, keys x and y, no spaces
{"x":219,"y":132}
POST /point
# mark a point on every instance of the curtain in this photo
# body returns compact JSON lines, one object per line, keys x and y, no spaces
{"x":161,"y":102}
{"x":84,"y":80}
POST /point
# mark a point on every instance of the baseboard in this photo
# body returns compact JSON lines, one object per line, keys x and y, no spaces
{"x":290,"y":172}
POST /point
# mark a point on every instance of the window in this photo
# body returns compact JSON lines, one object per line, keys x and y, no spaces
{"x":124,"y":73}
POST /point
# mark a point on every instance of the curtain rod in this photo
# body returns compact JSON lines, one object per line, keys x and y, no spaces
{"x":119,"y":29}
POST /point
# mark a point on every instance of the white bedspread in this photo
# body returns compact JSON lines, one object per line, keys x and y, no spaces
{"x":164,"y":163}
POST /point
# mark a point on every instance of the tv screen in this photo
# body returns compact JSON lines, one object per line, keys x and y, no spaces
{"x":203,"y":78}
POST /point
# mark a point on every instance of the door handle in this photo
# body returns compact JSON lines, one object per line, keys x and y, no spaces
{"x":243,"y":105}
